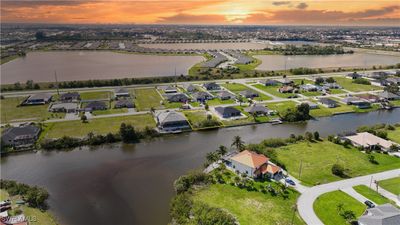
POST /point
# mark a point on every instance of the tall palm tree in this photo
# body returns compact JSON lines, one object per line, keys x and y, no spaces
{"x":222,"y":150}
{"x":238,"y":143}
{"x":212,"y":157}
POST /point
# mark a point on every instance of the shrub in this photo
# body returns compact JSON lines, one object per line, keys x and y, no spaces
{"x":183,"y":183}
{"x":338,"y":170}
{"x":180,"y":208}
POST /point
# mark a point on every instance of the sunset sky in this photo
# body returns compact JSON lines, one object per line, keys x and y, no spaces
{"x":261,"y":12}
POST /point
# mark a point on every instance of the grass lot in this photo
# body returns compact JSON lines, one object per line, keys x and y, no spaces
{"x":324,"y":111}
{"x":217,"y":101}
{"x":394,"y":135}
{"x":337,"y":91}
{"x":95,"y":95}
{"x":36,"y":216}
{"x":310,"y":93}
{"x":98,"y":126}
{"x":396,"y":103}
{"x":281,"y":107}
{"x":195,"y":117}
{"x":111,"y":110}
{"x":250,"y":66}
{"x":273,"y":90}
{"x":250,"y":208}
{"x":371,"y":194}
{"x":350,"y":86}
{"x":11,"y":113}
{"x":305,"y":81}
{"x":392,"y":185}
{"x":326,"y":207}
{"x":172,"y":105}
{"x":237,"y":88}
{"x":317,"y":160}
{"x":374,"y":107}
{"x":147,"y":98}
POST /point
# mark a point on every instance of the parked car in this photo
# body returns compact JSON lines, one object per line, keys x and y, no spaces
{"x":369,"y":204}
{"x":290,"y":181}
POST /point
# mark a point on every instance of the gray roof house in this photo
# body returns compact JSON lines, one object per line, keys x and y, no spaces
{"x":258,"y":110}
{"x":70,"y":97}
{"x":190,"y":88}
{"x":121,"y":92}
{"x":328,"y":102}
{"x":393,"y":80}
{"x":225,"y":95}
{"x":180,"y":97}
{"x":227,"y":112}
{"x":270,"y":82}
{"x":249,"y":94}
{"x":212,"y":86}
{"x":124,"y":103}
{"x":202,"y":96}
{"x":354,"y":75}
{"x":67,"y":107}
{"x":172,"y":121}
{"x":170,"y":89}
{"x":388,"y":95}
{"x":38,"y":99}
{"x":385,"y":214}
{"x":20,"y":137}
{"x":95,"y":105}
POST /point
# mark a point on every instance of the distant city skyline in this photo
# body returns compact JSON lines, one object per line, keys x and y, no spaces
{"x":211,"y":12}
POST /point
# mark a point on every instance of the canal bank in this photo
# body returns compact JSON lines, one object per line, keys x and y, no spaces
{"x":133,"y":184}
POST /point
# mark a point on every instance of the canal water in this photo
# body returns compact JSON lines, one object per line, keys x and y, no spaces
{"x":133,"y":184}
{"x":86,"y":65}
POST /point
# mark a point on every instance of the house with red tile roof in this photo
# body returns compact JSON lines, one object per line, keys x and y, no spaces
{"x":253,"y":165}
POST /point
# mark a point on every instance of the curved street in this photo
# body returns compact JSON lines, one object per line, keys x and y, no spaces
{"x":309,"y":195}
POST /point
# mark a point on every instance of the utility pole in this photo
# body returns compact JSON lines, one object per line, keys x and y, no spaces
{"x":55,"y":76}
{"x":370,"y":183}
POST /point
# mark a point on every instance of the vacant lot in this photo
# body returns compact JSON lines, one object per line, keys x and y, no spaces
{"x":98,"y":126}
{"x":394,"y":135}
{"x":217,"y":101}
{"x":392,"y":185}
{"x":11,"y":112}
{"x":371,"y":194}
{"x":237,"y":88}
{"x":147,"y":98}
{"x":324,"y":111}
{"x":273,"y":90}
{"x":95,"y":95}
{"x":195,"y":117}
{"x":328,"y":210}
{"x":318,"y":158}
{"x":350,"y":86}
{"x":282,"y":107}
{"x":250,"y":208}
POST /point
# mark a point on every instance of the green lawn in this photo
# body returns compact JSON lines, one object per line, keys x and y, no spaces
{"x":310,"y":93}
{"x":11,"y":112}
{"x":371,"y":194}
{"x":282,"y":107}
{"x":195,"y":117}
{"x":147,"y":98}
{"x":111,"y":110}
{"x":394,"y":135}
{"x":237,"y":88}
{"x":324,"y":111}
{"x":392,"y":185}
{"x":273,"y":90}
{"x":98,"y":126}
{"x":96,"y":95}
{"x":396,"y":102}
{"x":326,"y":207}
{"x":37,"y":217}
{"x":317,"y":160}
{"x":350,"y":86}
{"x":305,"y":81}
{"x":217,"y":101}
{"x":250,"y":208}
{"x":172,"y":105}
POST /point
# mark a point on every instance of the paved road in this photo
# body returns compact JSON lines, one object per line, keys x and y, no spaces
{"x":353,"y":193}
{"x":306,"y":200}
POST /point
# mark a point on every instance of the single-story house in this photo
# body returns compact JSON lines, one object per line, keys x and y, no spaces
{"x":388,"y":96}
{"x":331,"y":86}
{"x":70,"y":97}
{"x":179,"y":97}
{"x":227,"y":112}
{"x":286,"y":89}
{"x":202,"y":96}
{"x":350,"y":100}
{"x":225,"y":95}
{"x":385,"y":214}
{"x":67,"y":107}
{"x":285,"y":81}
{"x":312,"y":105}
{"x":358,"y":102}
{"x":212,"y":86}
{"x":354,"y":75}
{"x":378,"y":74}
{"x":172,"y":121}
{"x":270,"y":82}
{"x":393,"y":80}
{"x":329,"y":103}
{"x":170,"y":90}
{"x":190,"y":88}
{"x":253,"y":165}
{"x":370,"y":98}
{"x":310,"y":87}
{"x":124,"y":103}
{"x":38,"y":99}
{"x":95,"y":105}
{"x":121,"y":92}
{"x":20,"y":137}
{"x":249,"y":94}
{"x":258,"y":110}
{"x":370,"y":141}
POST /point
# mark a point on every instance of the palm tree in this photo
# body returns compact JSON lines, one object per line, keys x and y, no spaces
{"x":294,"y":208}
{"x":238,"y":143}
{"x":339,"y":207}
{"x":222,"y":150}
{"x":212,"y":157}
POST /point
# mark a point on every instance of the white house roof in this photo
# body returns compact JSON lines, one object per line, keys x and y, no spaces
{"x":170,"y":116}
{"x":366,"y":139}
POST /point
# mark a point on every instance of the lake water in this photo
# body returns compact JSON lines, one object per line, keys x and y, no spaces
{"x":277,"y":62}
{"x":85,"y":65}
{"x":133,"y":184}
{"x":209,"y":46}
